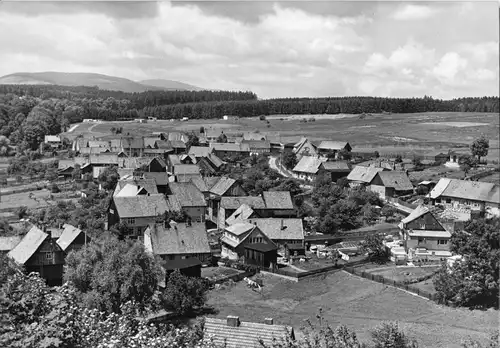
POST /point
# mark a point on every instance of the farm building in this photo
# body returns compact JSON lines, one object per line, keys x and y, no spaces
{"x":308,"y":167}
{"x":223,"y":150}
{"x":333,"y":148}
{"x":304,"y":148}
{"x":391,"y":184}
{"x":336,"y":169}
{"x":232,"y":333}
{"x":54,"y":141}
{"x":281,"y":231}
{"x":467,"y":197}
{"x":186,"y":196}
{"x":258,"y":147}
{"x":362,"y":176}
{"x":72,"y":238}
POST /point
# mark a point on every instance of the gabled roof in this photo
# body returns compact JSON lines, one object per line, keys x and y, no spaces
{"x":244,"y":212}
{"x":129,"y":142}
{"x":150,"y":142}
{"x":141,"y":206}
{"x":236,"y":202}
{"x":160,"y":178}
{"x":159,"y":160}
{"x":180,"y":169}
{"x":257,"y":144}
{"x":98,"y":143}
{"x":184,"y":157}
{"x":415,"y":214}
{"x":128,"y":190}
{"x":9,"y":243}
{"x":94,"y":150}
{"x":28,"y":245}
{"x":187,"y":194}
{"x":398,"y":180}
{"x":200,"y":151}
{"x":336,"y":166}
{"x":133,"y":162}
{"x":277,"y":199}
{"x":240,"y":228}
{"x":222,"y":185}
{"x":308,"y":164}
{"x":65,"y":163}
{"x":197,"y":180}
{"x":174,"y":159}
{"x":211,"y":181}
{"x":148,"y":183}
{"x":245,"y":335}
{"x":262,"y":247}
{"x":231,"y":147}
{"x":216,"y":161}
{"x":178,"y":144}
{"x":164,"y":144}
{"x":332,"y":145}
{"x":70,"y":233}
{"x":177,"y":136}
{"x":254,"y":136}
{"x":179,"y":239}
{"x":465,"y":189}
{"x":363,"y":174}
{"x":103,"y":159}
{"x":280,"y":229}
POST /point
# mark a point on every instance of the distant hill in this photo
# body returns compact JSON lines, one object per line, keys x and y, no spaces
{"x":170,"y":85}
{"x":112,"y":83}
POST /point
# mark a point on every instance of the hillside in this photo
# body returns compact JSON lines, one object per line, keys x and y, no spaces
{"x":170,"y":85}
{"x":106,"y":82}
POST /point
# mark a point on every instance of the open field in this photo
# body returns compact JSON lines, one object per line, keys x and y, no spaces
{"x":493,"y":178}
{"x":355,"y":302}
{"x":23,"y":199}
{"x":386,"y":133}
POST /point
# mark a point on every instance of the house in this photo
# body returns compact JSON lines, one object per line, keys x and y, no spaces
{"x":178,"y":145}
{"x":54,"y":141}
{"x":427,"y":184}
{"x":278,"y":204}
{"x":362,"y":176}
{"x":132,"y":146}
{"x":333,"y":148}
{"x":228,"y":205}
{"x":72,"y":238}
{"x":258,"y":147}
{"x":176,"y":243}
{"x":232,"y":333}
{"x":135,"y":186}
{"x":437,"y":156}
{"x":103,"y":160}
{"x":336,"y":169}
{"x":221,"y":187}
{"x":38,"y":252}
{"x":282,"y":232}
{"x":242,"y":214}
{"x":161,"y":180}
{"x":246,"y":242}
{"x":172,"y":160}
{"x":158,"y":165}
{"x":210,"y":164}
{"x":468,"y":197}
{"x":198,"y":181}
{"x":65,"y":168}
{"x":137,"y":211}
{"x":185,"y":170}
{"x":308,"y":168}
{"x":164,"y":145}
{"x":223,"y":150}
{"x":189,"y":198}
{"x":155,"y":153}
{"x":304,"y":148}
{"x":134,"y":162}
{"x":422,"y":230}
{"x":391,"y":184}
{"x":199,"y":151}
{"x":9,"y":243}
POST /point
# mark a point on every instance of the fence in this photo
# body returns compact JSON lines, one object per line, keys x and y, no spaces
{"x":235,"y":277}
{"x":401,"y":285}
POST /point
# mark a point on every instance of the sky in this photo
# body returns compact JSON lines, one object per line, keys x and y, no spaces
{"x":275,"y":49}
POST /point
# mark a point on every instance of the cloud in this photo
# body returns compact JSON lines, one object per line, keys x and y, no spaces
{"x":413,"y":12}
{"x":449,"y":66}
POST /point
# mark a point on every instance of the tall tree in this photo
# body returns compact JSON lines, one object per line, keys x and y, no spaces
{"x":479,"y":147}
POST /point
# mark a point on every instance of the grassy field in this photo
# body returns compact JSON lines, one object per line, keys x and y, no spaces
{"x":356,"y":302}
{"x":23,"y":199}
{"x":493,"y":178}
{"x":394,"y":133}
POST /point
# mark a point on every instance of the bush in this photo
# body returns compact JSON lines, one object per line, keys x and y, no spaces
{"x":262,"y":117}
{"x":54,"y":188}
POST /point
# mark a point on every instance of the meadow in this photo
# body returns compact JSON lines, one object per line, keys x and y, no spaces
{"x":386,"y":133}
{"x":358,"y":303}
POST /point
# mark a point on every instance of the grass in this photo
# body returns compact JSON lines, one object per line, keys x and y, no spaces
{"x":22,"y":199}
{"x":355,"y":302}
{"x":401,"y":274}
{"x":493,"y":178}
{"x":217,"y":272}
{"x":402,"y":133}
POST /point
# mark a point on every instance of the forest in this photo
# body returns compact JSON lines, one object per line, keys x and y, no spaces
{"x":29,"y":112}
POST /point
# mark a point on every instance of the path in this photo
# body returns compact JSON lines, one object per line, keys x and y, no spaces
{"x":273,"y":163}
{"x":73,"y":128}
{"x":400,"y":207}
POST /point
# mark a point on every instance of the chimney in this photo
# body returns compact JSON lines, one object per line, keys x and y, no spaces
{"x":268,"y":321}
{"x":233,"y":321}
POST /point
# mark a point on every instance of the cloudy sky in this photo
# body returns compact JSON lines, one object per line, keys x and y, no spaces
{"x":275,"y":49}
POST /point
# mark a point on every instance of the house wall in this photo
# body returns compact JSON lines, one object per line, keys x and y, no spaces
{"x":197,"y":214}
{"x":459,"y":204}
{"x":156,"y":167}
{"x":202,"y":257}
{"x":380,"y":190}
{"x":430,"y":243}
{"x":228,"y":252}
{"x":235,"y":191}
{"x":492,"y":209}
{"x":305,"y":176}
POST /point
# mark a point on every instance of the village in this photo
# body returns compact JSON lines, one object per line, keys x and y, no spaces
{"x":186,"y":197}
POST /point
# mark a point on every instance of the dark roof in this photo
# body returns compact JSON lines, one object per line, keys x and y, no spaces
{"x":336,"y":166}
{"x":178,"y":239}
{"x":277,"y":199}
{"x":262,"y":247}
{"x":70,"y":233}
{"x":141,"y":205}
{"x":197,"y":180}
{"x":187,"y":194}
{"x":396,"y":179}
{"x":295,"y":246}
{"x":182,"y":263}
{"x":132,"y":142}
{"x":180,"y":169}
{"x":30,"y":243}
{"x":236,"y":202}
{"x":222,"y":185}
{"x":245,"y":335}
{"x":160,"y":178}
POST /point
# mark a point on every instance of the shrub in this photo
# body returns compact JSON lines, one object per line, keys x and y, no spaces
{"x":54,"y":188}
{"x":262,"y":117}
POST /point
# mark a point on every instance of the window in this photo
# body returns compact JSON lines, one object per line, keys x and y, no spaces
{"x":442,"y":241}
{"x":421,"y":240}
{"x":130,"y":221}
{"x":438,"y":200}
{"x":448,"y":200}
{"x":49,"y":256}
